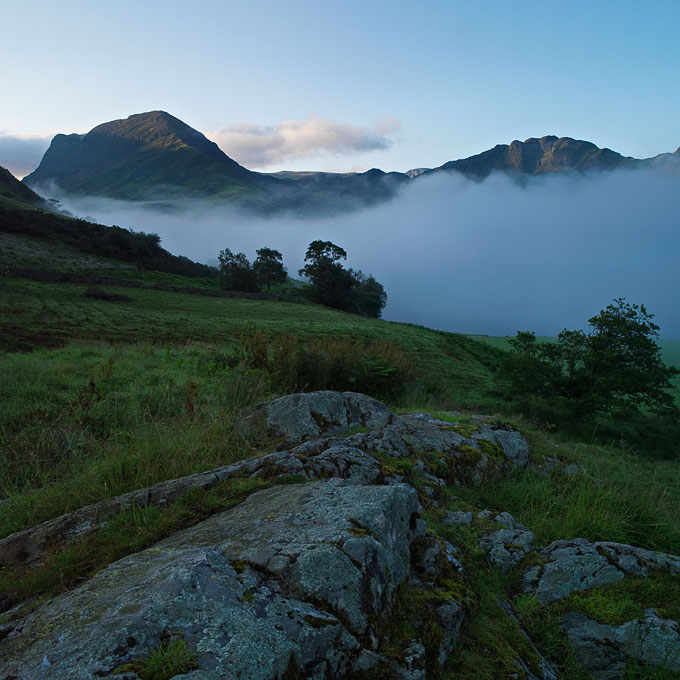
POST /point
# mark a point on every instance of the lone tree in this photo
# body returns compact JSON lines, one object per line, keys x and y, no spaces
{"x":332,"y":284}
{"x":615,"y":367}
{"x":340,"y":288}
{"x":269,"y":267}
{"x":236,"y":273}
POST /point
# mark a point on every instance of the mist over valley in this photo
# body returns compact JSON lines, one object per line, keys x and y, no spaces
{"x":486,"y":257}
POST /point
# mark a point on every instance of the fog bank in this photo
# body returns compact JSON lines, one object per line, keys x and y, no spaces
{"x":489,"y":257}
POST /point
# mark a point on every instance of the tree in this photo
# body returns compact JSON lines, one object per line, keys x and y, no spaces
{"x":332,"y":284}
{"x":269,"y":267}
{"x":615,"y":367}
{"x":236,"y":273}
{"x":370,"y":296}
{"x":340,"y":288}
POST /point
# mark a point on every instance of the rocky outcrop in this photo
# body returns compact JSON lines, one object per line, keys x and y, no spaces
{"x":293,"y":573}
{"x":571,"y":566}
{"x":297,"y":417}
{"x":318,"y":450}
{"x":604,"y":650}
{"x":336,"y":575}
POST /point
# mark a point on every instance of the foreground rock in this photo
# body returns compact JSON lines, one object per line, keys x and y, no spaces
{"x":317,"y":450}
{"x":337,"y":575}
{"x":294,"y":575}
{"x":580,"y":565}
{"x":604,"y":650}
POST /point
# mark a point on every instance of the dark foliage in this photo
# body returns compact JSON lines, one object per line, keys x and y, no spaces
{"x":97,"y":293}
{"x":138,"y":248}
{"x":236,"y":273}
{"x":614,"y":369}
{"x":269,"y":267}
{"x":340,"y":288}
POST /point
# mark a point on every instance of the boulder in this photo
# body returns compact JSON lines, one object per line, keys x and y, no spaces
{"x":292,"y":419}
{"x":507,"y":547}
{"x":580,"y":565}
{"x":293,"y":575}
{"x":604,"y":650}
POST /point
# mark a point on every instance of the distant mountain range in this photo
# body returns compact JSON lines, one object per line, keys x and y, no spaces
{"x":155,"y":155}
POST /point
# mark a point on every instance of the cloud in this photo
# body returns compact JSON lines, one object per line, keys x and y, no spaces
{"x":21,"y":154}
{"x":489,"y":257}
{"x":258,"y":146}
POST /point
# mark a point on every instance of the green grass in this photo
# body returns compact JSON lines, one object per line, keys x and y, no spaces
{"x":118,"y":396}
{"x":85,"y":423}
{"x":43,"y":314}
{"x":168,"y":660}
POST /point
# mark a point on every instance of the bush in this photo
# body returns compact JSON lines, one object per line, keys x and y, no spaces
{"x":379,"y":369}
{"x":615,"y":368}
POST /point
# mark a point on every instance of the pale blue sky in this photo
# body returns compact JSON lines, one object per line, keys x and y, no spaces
{"x":458,"y":76}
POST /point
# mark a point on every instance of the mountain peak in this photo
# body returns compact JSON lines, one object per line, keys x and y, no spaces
{"x":535,"y":156}
{"x":139,"y":156}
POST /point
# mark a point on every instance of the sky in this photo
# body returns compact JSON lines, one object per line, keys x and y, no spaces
{"x":345,"y":86}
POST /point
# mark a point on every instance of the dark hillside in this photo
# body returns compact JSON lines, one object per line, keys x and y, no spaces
{"x":11,"y":187}
{"x":143,"y":250}
{"x":147,"y":152}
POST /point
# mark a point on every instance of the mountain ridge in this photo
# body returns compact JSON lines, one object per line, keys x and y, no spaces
{"x":155,"y":154}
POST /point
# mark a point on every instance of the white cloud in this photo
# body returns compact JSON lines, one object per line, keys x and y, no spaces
{"x":21,"y":154}
{"x":258,"y":146}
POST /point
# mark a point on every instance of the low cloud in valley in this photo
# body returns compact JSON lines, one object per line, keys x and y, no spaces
{"x":490,"y":257}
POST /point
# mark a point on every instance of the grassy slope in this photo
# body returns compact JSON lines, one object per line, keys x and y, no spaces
{"x":135,"y":393}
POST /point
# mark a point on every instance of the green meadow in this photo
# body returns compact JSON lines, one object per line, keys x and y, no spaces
{"x":104,"y":396}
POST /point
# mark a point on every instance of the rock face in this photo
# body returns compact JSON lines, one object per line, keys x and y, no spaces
{"x":336,"y":576}
{"x":604,"y":650}
{"x":579,"y":565}
{"x":293,"y":573}
{"x":297,"y":417}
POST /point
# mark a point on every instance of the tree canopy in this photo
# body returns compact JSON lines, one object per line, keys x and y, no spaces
{"x":269,"y":267}
{"x":340,"y":288}
{"x":615,"y":367}
{"x":236,"y":273}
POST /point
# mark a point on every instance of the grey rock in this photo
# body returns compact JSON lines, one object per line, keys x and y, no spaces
{"x":638,"y":561}
{"x":297,"y":417}
{"x":594,"y":646}
{"x":512,"y":442}
{"x":450,"y":615}
{"x":575,"y":469}
{"x":570,"y":566}
{"x":509,"y":522}
{"x":652,"y":640}
{"x":580,"y":565}
{"x":413,"y":667}
{"x":457,"y":517}
{"x":346,"y":462}
{"x":367,"y":660}
{"x":603,"y":649}
{"x":507,"y":547}
{"x":248,"y":621}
